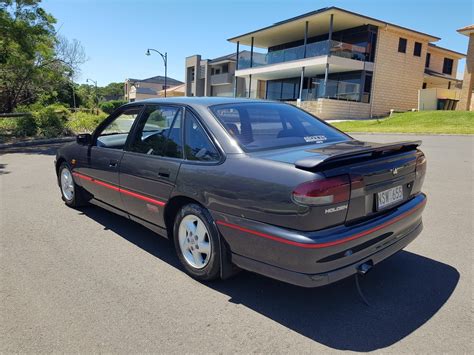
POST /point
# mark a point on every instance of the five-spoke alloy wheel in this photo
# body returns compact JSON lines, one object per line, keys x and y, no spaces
{"x":72,"y":194}
{"x":67,"y":183}
{"x":197,"y":242}
{"x":194,"y":241}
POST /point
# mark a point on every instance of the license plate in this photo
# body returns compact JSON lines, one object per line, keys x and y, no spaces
{"x":389,"y":197}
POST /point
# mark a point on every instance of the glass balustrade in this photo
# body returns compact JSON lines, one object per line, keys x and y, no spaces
{"x":339,"y":90}
{"x":315,"y":49}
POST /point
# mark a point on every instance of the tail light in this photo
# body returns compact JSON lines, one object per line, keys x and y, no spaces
{"x":323,"y":192}
{"x":420,"y":172}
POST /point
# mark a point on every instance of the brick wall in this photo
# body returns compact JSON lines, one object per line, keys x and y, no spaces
{"x":397,"y":76}
{"x":437,"y":61}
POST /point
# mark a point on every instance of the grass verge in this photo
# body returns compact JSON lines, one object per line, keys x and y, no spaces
{"x":436,"y":122}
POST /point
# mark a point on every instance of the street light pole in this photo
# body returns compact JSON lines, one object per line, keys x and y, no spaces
{"x":165,"y":61}
{"x":96,"y":94}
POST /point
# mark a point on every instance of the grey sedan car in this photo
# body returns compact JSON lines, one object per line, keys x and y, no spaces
{"x":250,"y":184}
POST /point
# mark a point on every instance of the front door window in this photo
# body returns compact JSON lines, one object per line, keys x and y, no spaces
{"x":115,"y":134}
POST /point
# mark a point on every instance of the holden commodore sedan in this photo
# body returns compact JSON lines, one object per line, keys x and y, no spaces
{"x":249,"y":184}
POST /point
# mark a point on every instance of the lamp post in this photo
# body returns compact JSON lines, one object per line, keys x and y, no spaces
{"x":165,"y":60}
{"x":96,"y":94}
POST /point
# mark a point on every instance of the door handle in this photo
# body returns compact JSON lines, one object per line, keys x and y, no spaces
{"x":113,"y":163}
{"x":164,"y":173}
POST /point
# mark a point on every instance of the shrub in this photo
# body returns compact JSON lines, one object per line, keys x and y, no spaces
{"x":7,"y":126}
{"x":18,"y":126}
{"x":111,"y":106}
{"x":83,"y":122}
{"x":51,"y":120}
{"x":25,"y":126}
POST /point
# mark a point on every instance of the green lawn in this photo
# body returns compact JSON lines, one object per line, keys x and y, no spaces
{"x":450,"y":122}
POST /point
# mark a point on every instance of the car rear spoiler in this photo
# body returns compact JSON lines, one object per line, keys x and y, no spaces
{"x":376,"y":149}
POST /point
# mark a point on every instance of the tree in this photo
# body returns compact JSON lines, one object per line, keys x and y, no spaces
{"x":112,"y":90}
{"x":34,"y":63}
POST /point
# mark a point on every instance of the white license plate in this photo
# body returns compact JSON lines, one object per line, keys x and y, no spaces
{"x":389,"y":197}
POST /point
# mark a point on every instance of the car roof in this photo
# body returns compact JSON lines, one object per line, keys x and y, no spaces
{"x":197,"y":101}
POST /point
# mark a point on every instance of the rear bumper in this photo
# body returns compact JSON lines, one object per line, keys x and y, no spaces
{"x":318,"y":258}
{"x":316,"y":280}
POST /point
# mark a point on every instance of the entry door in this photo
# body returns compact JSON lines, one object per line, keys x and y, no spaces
{"x":100,"y":176}
{"x":151,"y":162}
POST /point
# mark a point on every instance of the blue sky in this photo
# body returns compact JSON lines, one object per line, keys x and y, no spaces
{"x":116,"y":33}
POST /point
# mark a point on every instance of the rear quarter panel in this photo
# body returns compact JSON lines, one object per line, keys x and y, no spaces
{"x":251,"y":188}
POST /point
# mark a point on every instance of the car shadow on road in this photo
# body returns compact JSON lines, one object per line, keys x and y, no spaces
{"x":404,"y":292}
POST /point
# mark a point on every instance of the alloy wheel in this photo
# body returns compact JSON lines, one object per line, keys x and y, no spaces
{"x":67,"y":184}
{"x":194,"y":241}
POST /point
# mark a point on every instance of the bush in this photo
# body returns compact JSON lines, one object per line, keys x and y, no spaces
{"x":18,"y":126}
{"x":25,"y":126}
{"x":83,"y":122}
{"x":111,"y":106}
{"x":51,"y":120}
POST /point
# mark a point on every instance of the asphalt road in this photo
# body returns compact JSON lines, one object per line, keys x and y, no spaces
{"x":89,"y":281}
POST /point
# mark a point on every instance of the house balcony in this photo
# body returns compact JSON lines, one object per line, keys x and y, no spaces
{"x":317,"y":49}
{"x":221,"y":79}
{"x":286,"y":63}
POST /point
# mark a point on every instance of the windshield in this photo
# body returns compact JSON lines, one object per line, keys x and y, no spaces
{"x":258,"y":126}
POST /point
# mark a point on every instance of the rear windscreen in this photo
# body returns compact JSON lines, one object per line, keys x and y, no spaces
{"x":258,"y":126}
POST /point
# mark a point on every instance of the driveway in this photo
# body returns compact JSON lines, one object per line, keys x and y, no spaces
{"x":89,"y":281}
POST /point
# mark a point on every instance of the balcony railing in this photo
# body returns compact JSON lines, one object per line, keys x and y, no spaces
{"x":315,"y":49}
{"x":221,"y":79}
{"x":339,"y":90}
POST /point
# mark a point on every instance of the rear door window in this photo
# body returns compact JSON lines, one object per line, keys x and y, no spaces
{"x":198,"y":146}
{"x":258,"y":126}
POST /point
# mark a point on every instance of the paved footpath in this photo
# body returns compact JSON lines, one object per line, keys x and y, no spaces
{"x":88,"y":281}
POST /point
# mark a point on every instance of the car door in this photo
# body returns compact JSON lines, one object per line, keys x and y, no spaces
{"x":100,"y":176}
{"x":151,"y":162}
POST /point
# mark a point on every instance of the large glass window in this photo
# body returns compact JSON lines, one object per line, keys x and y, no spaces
{"x":285,"y":89}
{"x":258,"y":126}
{"x":159,"y":132}
{"x":115,"y":134}
{"x":197,"y":144}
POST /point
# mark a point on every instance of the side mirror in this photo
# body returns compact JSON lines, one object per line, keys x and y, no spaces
{"x":84,"y":139}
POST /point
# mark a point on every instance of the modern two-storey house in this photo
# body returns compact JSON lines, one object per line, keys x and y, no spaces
{"x":214,"y":77}
{"x":340,"y":64}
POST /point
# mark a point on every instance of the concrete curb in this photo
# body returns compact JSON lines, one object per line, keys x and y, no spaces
{"x":33,"y":142}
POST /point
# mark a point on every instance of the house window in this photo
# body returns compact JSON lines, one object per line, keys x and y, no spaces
{"x":448,"y":66}
{"x":424,"y":85}
{"x":428,"y":59}
{"x":402,"y":45}
{"x":225,"y":68}
{"x":417,"y":49}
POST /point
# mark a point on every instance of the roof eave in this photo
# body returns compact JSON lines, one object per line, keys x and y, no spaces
{"x":374,"y":21}
{"x":442,"y":49}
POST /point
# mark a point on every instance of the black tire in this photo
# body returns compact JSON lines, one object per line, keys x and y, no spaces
{"x":211,"y":271}
{"x":79,"y":196}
